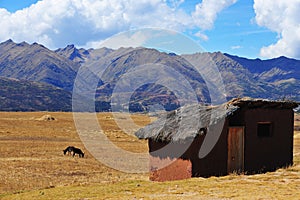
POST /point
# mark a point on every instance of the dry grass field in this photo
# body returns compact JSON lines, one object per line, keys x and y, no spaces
{"x":33,"y":166}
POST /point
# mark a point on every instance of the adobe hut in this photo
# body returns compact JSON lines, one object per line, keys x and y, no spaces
{"x":243,"y":135}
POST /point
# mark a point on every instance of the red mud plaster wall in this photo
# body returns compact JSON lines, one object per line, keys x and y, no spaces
{"x":166,"y":169}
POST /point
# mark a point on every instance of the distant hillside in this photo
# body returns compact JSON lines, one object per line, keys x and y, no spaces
{"x":36,"y":63}
{"x":48,"y":75}
{"x":16,"y":95}
{"x":82,"y":55}
{"x":74,"y":54}
{"x":173,"y":71}
{"x":237,"y":79}
{"x":282,"y":73}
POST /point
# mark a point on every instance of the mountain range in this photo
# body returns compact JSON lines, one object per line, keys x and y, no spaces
{"x":35,"y":78}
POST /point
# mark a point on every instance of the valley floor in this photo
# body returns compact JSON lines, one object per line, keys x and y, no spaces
{"x":33,"y":166}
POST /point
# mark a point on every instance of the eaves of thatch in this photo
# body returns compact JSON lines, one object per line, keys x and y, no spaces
{"x":187,"y":122}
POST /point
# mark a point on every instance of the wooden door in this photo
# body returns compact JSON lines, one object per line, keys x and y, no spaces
{"x":235,"y":150}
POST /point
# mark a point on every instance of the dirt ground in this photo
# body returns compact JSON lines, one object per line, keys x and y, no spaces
{"x":31,"y":155}
{"x":32,"y":163}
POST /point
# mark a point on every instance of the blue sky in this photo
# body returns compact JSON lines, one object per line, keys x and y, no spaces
{"x":236,"y":32}
{"x":14,"y":5}
{"x":239,"y":27}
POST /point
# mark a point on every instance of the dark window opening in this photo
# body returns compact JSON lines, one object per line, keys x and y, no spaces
{"x":202,"y":131}
{"x":264,"y":129}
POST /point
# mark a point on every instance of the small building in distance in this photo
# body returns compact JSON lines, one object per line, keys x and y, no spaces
{"x":243,"y":135}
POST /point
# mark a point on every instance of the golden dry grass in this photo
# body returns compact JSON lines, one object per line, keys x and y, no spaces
{"x":34,"y":167}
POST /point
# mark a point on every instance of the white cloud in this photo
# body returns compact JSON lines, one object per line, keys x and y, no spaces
{"x":125,"y":39}
{"x":206,"y":12}
{"x":175,"y":3}
{"x":282,"y":17}
{"x":56,"y":23}
{"x":202,"y":36}
{"x":236,"y":47}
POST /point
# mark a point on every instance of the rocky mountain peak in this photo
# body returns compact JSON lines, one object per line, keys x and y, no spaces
{"x":74,"y":54}
{"x":274,"y":78}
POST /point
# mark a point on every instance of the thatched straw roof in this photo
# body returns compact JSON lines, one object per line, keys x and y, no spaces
{"x":262,"y":103}
{"x":187,"y":122}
